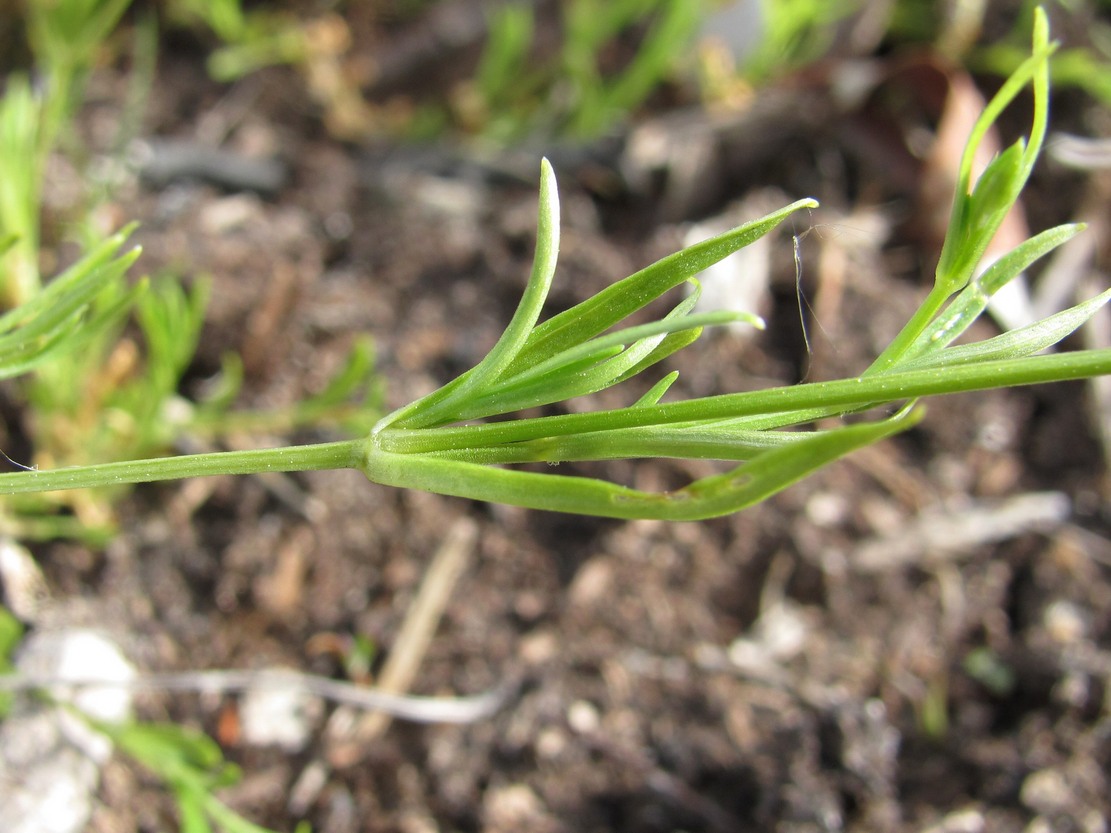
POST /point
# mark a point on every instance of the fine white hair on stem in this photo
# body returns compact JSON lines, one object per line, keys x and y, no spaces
{"x":418,"y":709}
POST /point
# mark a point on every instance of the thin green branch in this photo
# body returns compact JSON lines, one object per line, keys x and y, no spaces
{"x":842,"y":395}
{"x":765,"y":475}
{"x":438,"y":406}
{"x":337,"y":455}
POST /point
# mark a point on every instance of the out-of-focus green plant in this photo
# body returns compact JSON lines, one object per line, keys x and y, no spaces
{"x":11,"y":634}
{"x":22,"y":158}
{"x":512,"y":94}
{"x":57,"y":330}
{"x":1085,"y":66}
{"x":68,"y":312}
{"x":794,"y":33}
{"x":990,"y":670}
{"x":249,"y":40}
{"x":101,"y":356}
{"x":65,"y":36}
{"x":192,"y":766}
{"x":317,"y":45}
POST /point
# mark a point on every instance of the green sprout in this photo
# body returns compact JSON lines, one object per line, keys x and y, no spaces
{"x":440,"y":442}
{"x":511,"y":96}
{"x":11,"y":632}
{"x":192,"y":766}
{"x":65,"y":36}
{"x":250,"y":40}
{"x":102,"y":357}
{"x":795,"y":33}
{"x":63,"y":315}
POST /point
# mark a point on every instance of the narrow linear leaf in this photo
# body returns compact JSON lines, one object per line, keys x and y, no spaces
{"x":554,"y":386}
{"x":973,"y":299}
{"x":713,"y":441}
{"x":979,"y":209}
{"x":603,"y":344}
{"x":584,"y":377}
{"x":657,"y":391}
{"x":672,"y":343}
{"x":954,"y":261}
{"x":428,"y":411}
{"x":680,"y":319}
{"x":838,"y":396}
{"x":1013,"y":344}
{"x":536,"y":291}
{"x":87,"y":271}
{"x":617,"y":301}
{"x":995,"y":193}
{"x":765,"y":475}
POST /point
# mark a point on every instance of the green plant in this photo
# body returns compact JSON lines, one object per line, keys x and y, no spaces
{"x":512,"y":93}
{"x":795,"y":32}
{"x":101,"y":357}
{"x":1086,"y":66}
{"x":65,"y":36}
{"x":61,"y":316}
{"x":11,"y":633}
{"x":51,"y":330}
{"x":572,"y":93}
{"x":317,"y":45}
{"x":192,"y":766}
{"x":49,"y":325}
{"x":250,"y":40}
{"x":436,"y":444}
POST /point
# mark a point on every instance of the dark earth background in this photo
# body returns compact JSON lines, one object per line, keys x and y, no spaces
{"x":918,"y":638}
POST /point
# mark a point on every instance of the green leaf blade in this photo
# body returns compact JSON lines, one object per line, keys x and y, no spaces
{"x":1014,"y":344}
{"x":438,"y":406}
{"x":973,"y":300}
{"x":754,"y":481}
{"x":617,"y":301}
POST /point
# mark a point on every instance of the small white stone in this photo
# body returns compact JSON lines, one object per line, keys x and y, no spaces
{"x":827,"y":509}
{"x":282,"y":717}
{"x":959,"y":821}
{"x":25,"y":590}
{"x":1094,"y":822}
{"x":81,"y":655}
{"x":550,"y":743}
{"x":739,"y":282}
{"x":230,"y":213}
{"x":49,"y":757}
{"x":784,"y":630}
{"x":512,"y":807}
{"x":592,"y":583}
{"x":583,"y":717}
{"x":1065,"y":622}
{"x":1046,"y":791}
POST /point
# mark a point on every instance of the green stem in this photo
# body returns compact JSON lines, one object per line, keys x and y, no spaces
{"x":338,"y":455}
{"x":911,"y":331}
{"x":843,"y":395}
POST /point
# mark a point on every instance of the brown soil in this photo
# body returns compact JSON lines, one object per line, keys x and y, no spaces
{"x":805,"y":665}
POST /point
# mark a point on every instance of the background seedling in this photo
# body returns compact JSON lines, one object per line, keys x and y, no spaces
{"x":102,"y":357}
{"x":515,"y":93}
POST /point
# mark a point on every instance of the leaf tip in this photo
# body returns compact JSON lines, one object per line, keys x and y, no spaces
{"x":547,"y":172}
{"x":1041,"y":27}
{"x":549,"y":195}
